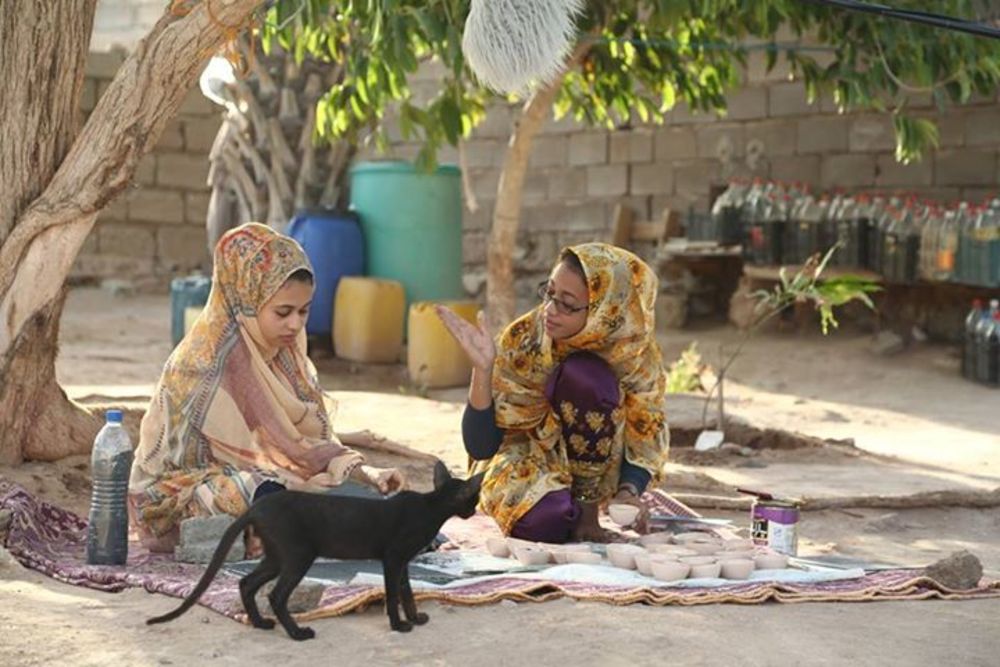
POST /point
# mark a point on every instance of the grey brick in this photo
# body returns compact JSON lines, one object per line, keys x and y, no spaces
{"x":485,"y":182}
{"x":196,"y":104}
{"x":789,"y":168}
{"x":481,"y":219}
{"x":549,"y":151}
{"x":895,"y":174}
{"x":757,"y":69}
{"x":125,"y":240}
{"x":587,"y":148}
{"x":181,"y":170}
{"x":485,"y":153}
{"x":204,"y":528}
{"x":498,"y":123}
{"x":780,"y":137}
{"x":872,"y":133}
{"x":951,"y":130}
{"x":586,"y":217}
{"x":847,"y":171}
{"x":683,"y":115}
{"x":544,"y":217}
{"x":305,"y":597}
{"x":153,"y":205}
{"x":565,"y":125}
{"x":202,"y":552}
{"x":145,"y":173}
{"x":172,"y":138}
{"x":567,"y":184}
{"x":713,"y":138}
{"x":693,"y":179}
{"x":823,"y":135}
{"x":607,"y":180}
{"x":748,"y":103}
{"x":535,"y":188}
{"x":104,"y":64}
{"x":474,"y":247}
{"x":631,"y":146}
{"x":199,"y":133}
{"x":181,"y":248}
{"x":88,"y":96}
{"x":788,"y":99}
{"x":651,"y":179}
{"x":674,"y":143}
{"x":196,"y":207}
{"x":965,"y":168}
{"x":982,"y":128}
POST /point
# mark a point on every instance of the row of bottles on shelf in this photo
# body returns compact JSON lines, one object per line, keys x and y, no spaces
{"x":903,"y":238}
{"x":981,"y":348}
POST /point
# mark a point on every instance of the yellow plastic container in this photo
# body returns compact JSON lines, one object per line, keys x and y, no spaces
{"x":368,"y":319}
{"x":191,"y":314}
{"x":433,"y":358}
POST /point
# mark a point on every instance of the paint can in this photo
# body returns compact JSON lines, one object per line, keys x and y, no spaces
{"x":775,"y":524}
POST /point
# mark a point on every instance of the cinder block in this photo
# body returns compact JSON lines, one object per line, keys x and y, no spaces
{"x":675,"y":143}
{"x":848,"y":171}
{"x":609,"y":180}
{"x":827,"y":134}
{"x":587,"y":148}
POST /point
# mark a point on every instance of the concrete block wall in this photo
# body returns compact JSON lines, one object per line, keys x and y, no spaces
{"x":578,"y":174}
{"x":156,"y":227}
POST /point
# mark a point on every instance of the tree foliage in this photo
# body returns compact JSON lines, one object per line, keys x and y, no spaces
{"x":643,"y":57}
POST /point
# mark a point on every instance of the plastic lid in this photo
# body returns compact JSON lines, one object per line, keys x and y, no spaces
{"x":113,"y":416}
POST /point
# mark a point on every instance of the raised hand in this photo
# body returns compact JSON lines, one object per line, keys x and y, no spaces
{"x":476,"y":340}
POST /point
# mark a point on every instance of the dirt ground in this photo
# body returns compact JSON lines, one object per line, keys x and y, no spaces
{"x":915,"y":424}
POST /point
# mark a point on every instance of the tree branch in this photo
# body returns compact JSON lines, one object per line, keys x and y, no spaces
{"x":127,"y":121}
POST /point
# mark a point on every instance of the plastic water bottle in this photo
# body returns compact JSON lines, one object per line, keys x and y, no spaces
{"x":988,"y":358}
{"x":985,"y":333}
{"x":110,"y":463}
{"x":969,"y":342}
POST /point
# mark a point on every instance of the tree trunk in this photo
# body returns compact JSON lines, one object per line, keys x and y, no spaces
{"x":507,"y":213}
{"x":55,"y":182}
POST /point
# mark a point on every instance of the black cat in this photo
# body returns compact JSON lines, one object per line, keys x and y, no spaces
{"x":297,"y":527}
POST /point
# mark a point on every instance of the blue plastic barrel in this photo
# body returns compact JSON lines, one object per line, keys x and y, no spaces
{"x":186,"y":293}
{"x":335,"y":246}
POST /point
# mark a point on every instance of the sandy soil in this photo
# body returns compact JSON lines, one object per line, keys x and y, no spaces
{"x":917,"y":427}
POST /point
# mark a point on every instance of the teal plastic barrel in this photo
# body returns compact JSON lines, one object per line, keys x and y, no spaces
{"x":412,"y":224}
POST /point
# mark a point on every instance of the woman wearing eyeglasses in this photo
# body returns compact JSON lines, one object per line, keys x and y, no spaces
{"x":566,"y":408}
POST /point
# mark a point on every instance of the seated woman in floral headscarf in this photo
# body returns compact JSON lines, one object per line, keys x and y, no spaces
{"x":566,"y":409}
{"x":238,"y":411}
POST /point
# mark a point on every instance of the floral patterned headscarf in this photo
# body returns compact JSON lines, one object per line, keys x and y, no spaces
{"x":620,"y":329}
{"x":226,"y":401}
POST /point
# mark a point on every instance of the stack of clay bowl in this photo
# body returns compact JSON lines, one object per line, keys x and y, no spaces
{"x":539,"y":553}
{"x":702,"y":555}
{"x":695,"y":555}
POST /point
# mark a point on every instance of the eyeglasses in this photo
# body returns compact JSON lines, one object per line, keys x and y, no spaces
{"x":547,"y":296}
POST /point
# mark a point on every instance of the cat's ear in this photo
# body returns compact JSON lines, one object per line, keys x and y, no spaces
{"x":441,"y":474}
{"x":474,"y":484}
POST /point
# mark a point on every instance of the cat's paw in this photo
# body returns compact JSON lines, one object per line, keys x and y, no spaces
{"x":300,"y":634}
{"x":264,"y":624}
{"x":420,"y":618}
{"x":401,"y":626}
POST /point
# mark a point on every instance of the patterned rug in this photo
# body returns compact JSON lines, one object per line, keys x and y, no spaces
{"x":51,"y":540}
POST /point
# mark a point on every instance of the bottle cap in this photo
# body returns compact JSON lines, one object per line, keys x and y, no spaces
{"x":113,"y":416}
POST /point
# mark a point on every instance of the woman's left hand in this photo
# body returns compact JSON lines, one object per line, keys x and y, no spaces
{"x":386,"y":480}
{"x":626,"y":497}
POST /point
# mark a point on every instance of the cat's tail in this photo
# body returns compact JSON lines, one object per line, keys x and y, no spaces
{"x":235,"y":530}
